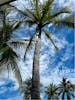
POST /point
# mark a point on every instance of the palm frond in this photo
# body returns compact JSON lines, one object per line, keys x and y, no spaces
{"x":20,"y":11}
{"x":16,"y":71}
{"x":18,"y":24}
{"x":46,"y":6}
{"x":63,"y":10}
{"x":30,"y":22}
{"x":38,"y":10}
{"x":28,"y":46}
{"x":32,"y":13}
{"x":48,"y":34}
{"x":68,"y":21}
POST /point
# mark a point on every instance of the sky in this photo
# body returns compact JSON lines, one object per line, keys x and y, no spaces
{"x":53,"y":65}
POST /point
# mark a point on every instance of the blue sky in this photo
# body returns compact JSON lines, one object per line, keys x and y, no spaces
{"x":53,"y":65}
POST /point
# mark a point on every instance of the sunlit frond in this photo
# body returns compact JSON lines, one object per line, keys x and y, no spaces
{"x":38,"y":10}
{"x":61,"y":11}
{"x":46,"y":7}
{"x":68,"y":21}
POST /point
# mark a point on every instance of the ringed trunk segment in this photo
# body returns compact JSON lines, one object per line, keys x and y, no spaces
{"x":35,"y":94}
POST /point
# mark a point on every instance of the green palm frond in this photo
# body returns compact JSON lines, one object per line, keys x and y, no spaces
{"x":32,"y":13}
{"x":18,"y":24}
{"x":46,"y":7}
{"x":29,"y":45}
{"x":7,"y":52}
{"x":59,"y":12}
{"x":9,"y":55}
{"x":38,"y":10}
{"x":68,"y":21}
{"x":27,"y":13}
{"x":20,"y":11}
{"x":48,"y":34}
{"x":16,"y":71}
{"x":30,"y":22}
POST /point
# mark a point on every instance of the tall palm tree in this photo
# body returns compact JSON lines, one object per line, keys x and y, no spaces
{"x":66,"y":89}
{"x":52,"y":92}
{"x":41,"y":15}
{"x":7,"y":54}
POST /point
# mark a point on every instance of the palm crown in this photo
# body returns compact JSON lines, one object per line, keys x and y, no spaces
{"x":52,"y":92}
{"x":42,"y":14}
{"x":66,"y":89}
{"x":8,"y":55}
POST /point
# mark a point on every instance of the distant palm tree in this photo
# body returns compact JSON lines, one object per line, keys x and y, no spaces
{"x":66,"y":89}
{"x":41,"y":15}
{"x":52,"y":92}
{"x":7,"y":54}
{"x":26,"y":88}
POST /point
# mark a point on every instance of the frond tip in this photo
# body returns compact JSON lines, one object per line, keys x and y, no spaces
{"x":67,"y":21}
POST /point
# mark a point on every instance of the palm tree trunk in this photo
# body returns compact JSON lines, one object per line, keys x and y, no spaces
{"x":35,"y":94}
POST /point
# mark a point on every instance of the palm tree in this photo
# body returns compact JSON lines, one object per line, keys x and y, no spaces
{"x":26,"y":88}
{"x":41,"y":15}
{"x":52,"y":92}
{"x":66,"y":89}
{"x":7,"y":54}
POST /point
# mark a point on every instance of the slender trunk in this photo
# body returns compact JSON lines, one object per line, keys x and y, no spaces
{"x":35,"y":94}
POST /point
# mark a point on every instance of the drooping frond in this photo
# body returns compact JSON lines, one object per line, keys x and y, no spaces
{"x":16,"y":71}
{"x":48,"y":34}
{"x":20,"y":11}
{"x":51,"y":17}
{"x":17,"y":25}
{"x":8,"y":55}
{"x":61,"y":11}
{"x":29,"y":45}
{"x":68,"y":21}
{"x":27,"y":14}
{"x":30,"y":22}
